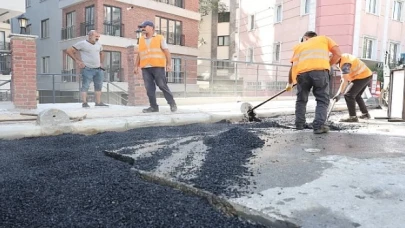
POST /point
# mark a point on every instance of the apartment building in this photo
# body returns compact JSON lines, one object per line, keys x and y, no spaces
{"x":69,"y":21}
{"x":5,"y":58}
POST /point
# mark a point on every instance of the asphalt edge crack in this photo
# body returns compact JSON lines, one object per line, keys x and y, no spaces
{"x":220,"y":203}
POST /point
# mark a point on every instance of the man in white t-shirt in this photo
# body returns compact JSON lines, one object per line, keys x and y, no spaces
{"x":90,"y":61}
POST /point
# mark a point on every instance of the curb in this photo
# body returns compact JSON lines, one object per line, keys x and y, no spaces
{"x":119,"y":124}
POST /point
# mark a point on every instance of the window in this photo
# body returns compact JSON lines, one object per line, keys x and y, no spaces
{"x":2,"y":40}
{"x":249,"y":55}
{"x":88,"y":21}
{"x":279,"y":13}
{"x":176,"y":75}
{"x":224,"y":64}
{"x":224,"y":17}
{"x":397,"y":10}
{"x":45,"y":64}
{"x":112,"y":65}
{"x":251,"y":22}
{"x":70,"y":23}
{"x":394,"y":50}
{"x":276,"y":52}
{"x":45,"y":28}
{"x":305,"y":4}
{"x":178,"y":3}
{"x":170,"y":29}
{"x":368,"y":48}
{"x":27,"y":3}
{"x":112,"y":21}
{"x":223,"y":40}
{"x":28,"y":29}
{"x":371,"y":6}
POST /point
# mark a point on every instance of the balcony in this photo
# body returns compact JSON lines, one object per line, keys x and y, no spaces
{"x":85,"y":27}
{"x":178,"y":3}
{"x":68,"y":33}
{"x":4,"y":46}
{"x":111,"y":29}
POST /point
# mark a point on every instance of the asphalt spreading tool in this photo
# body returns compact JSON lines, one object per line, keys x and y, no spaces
{"x":249,"y":111}
{"x":334,"y":100}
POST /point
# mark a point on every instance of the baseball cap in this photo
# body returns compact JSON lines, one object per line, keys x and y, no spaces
{"x":146,"y":23}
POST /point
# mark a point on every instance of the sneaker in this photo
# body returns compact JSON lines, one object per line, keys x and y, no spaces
{"x":151,"y":109}
{"x":351,"y":119}
{"x":321,"y":130}
{"x":173,"y":107}
{"x":101,"y":104}
{"x":365,"y":116}
{"x":85,"y":105}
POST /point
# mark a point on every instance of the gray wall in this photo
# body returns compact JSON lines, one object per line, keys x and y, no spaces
{"x":37,"y":12}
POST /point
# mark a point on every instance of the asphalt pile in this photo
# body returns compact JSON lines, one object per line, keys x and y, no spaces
{"x":225,"y":161}
{"x":66,"y":181}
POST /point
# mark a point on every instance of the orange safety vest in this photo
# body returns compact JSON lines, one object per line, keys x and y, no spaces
{"x":310,"y":55}
{"x":358,"y":70}
{"x":152,"y":55}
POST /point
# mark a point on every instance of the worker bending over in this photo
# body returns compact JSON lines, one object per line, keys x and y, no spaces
{"x":310,"y":70}
{"x":356,"y":72}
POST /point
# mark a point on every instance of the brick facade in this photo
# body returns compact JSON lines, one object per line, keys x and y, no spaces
{"x":24,"y":71}
{"x":130,"y":20}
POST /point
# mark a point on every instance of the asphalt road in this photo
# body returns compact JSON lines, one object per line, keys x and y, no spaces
{"x":67,"y":181}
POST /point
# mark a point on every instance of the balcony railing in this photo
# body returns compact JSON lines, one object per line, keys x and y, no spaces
{"x":175,"y":77}
{"x":69,"y":75}
{"x":178,"y":3}
{"x":4,"y":46}
{"x":114,"y":74}
{"x":112,"y":29}
{"x":85,"y":27}
{"x":173,"y":38}
{"x":68,"y":33}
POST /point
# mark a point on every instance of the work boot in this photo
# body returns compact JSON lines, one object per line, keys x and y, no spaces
{"x":151,"y":109}
{"x":173,"y":107}
{"x":101,"y":104}
{"x":365,"y":116}
{"x":321,"y":130}
{"x":351,"y":119}
{"x":85,"y":105}
{"x":303,"y":126}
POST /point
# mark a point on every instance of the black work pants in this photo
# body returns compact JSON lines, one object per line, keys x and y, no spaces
{"x":318,"y":81}
{"x":353,"y":96}
{"x":153,"y":76}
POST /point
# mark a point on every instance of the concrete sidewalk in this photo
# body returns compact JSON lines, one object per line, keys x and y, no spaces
{"x":122,"y":118}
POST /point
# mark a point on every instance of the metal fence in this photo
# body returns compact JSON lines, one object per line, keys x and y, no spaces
{"x":190,"y":77}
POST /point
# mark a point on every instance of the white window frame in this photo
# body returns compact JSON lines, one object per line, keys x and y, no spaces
{"x":45,"y":29}
{"x":398,"y":51}
{"x":252,"y":22}
{"x":304,"y":5}
{"x":377,"y":7}
{"x":401,"y":12}
{"x":276,"y":18}
{"x":275,"y":45}
{"x":45,"y":63}
{"x":373,"y":48}
{"x":250,"y":53}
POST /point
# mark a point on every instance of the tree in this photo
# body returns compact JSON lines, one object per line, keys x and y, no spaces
{"x":208,"y":6}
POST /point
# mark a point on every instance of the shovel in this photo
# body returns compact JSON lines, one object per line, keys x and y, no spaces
{"x":248,"y":109}
{"x":334,"y":100}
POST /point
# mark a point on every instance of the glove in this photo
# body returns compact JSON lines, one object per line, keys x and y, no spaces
{"x":337,"y":97}
{"x":288,"y":87}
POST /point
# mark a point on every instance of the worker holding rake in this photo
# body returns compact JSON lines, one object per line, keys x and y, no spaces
{"x":355,"y":71}
{"x":310,"y":70}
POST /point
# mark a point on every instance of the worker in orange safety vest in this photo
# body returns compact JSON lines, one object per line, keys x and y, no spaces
{"x":355,"y":71}
{"x":155,"y":60}
{"x":310,"y":70}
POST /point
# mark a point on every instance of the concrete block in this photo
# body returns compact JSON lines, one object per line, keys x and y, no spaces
{"x":52,"y":117}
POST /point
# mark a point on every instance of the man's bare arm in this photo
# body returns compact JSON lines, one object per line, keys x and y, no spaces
{"x":290,"y":81}
{"x":72,"y":53}
{"x":336,"y":55}
{"x":168,"y":56}
{"x":101,"y":58}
